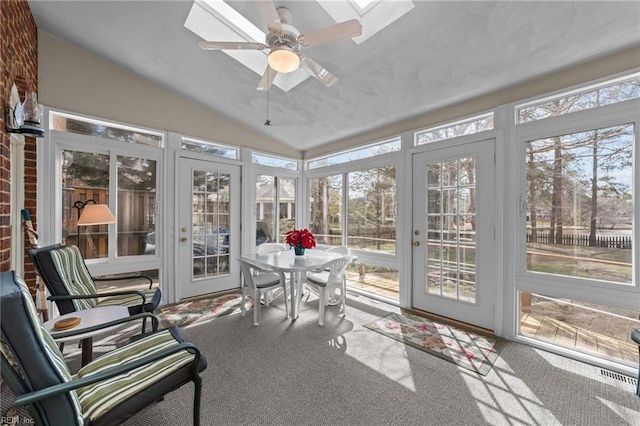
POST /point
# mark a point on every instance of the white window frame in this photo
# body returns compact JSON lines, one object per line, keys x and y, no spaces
{"x":388,"y":260}
{"x":51,"y":190}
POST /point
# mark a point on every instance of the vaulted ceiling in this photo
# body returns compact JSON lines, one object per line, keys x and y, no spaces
{"x":437,"y":54}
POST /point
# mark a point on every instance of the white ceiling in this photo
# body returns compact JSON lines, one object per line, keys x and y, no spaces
{"x":440,"y":53}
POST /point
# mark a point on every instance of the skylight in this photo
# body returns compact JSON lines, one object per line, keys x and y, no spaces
{"x":215,"y":20}
{"x":374,"y":15}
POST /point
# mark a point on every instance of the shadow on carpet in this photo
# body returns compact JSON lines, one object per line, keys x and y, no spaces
{"x":195,"y":311}
{"x":464,"y":348}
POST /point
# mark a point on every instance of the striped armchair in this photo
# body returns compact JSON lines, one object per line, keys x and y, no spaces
{"x":104,"y":392}
{"x":72,"y":287}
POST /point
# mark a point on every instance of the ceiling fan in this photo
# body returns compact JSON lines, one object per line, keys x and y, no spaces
{"x":285,"y":44}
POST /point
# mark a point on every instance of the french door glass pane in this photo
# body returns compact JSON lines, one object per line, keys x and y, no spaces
{"x":451,"y":234}
{"x":580,"y":204}
{"x":85,"y":176}
{"x":210,"y":224}
{"x":136,"y":206}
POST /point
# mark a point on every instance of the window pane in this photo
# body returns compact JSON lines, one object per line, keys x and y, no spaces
{"x":357,"y":154}
{"x":85,"y":176}
{"x":605,"y":94}
{"x":325,"y":202}
{"x":209,"y":148}
{"x":580,"y":204}
{"x":265,"y":209}
{"x":268,"y":160}
{"x":374,"y":279}
{"x":454,"y":130}
{"x":601,"y":330}
{"x":287,"y":207}
{"x":84,"y":126}
{"x":371,"y":223}
{"x":136,"y":206}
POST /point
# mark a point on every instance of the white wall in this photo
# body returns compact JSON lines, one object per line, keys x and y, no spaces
{"x":72,"y":79}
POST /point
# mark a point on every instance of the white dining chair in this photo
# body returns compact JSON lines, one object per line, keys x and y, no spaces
{"x":326,"y":280}
{"x":270,"y":248}
{"x":333,"y":297}
{"x":260,"y":280}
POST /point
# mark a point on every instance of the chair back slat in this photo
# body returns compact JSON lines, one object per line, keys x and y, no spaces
{"x":32,"y":354}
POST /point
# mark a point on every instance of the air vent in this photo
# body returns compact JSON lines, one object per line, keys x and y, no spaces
{"x":618,"y":377}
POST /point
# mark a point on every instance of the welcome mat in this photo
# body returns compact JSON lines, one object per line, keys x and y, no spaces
{"x":199,"y":310}
{"x":464,"y":348}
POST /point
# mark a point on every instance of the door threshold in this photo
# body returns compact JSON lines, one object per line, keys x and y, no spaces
{"x":451,"y":321}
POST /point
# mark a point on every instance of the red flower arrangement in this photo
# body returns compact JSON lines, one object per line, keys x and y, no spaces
{"x":301,"y":238}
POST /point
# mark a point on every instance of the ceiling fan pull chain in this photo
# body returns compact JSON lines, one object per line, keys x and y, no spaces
{"x":267,"y":121}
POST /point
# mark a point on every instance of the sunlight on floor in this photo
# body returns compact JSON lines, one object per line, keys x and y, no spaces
{"x":627,"y":414}
{"x":508,"y":400}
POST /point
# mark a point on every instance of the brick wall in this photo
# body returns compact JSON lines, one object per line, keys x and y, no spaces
{"x":19,"y":66}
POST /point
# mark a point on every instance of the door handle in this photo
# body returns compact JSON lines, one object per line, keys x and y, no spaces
{"x":183,"y":239}
{"x":416,"y":243}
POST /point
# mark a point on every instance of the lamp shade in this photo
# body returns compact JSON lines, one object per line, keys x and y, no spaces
{"x":283,"y":60}
{"x":96,"y":214}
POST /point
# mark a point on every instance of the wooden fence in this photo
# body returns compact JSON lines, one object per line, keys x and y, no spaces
{"x":583,"y":240}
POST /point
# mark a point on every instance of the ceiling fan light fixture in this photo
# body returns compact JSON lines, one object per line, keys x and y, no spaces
{"x":283,"y":60}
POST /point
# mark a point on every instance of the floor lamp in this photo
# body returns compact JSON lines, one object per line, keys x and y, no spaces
{"x":92,"y":213}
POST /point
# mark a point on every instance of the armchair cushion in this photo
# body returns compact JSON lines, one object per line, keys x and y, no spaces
{"x":120,"y":396}
{"x":104,"y":392}
{"x":30,"y":348}
{"x":65,"y":273}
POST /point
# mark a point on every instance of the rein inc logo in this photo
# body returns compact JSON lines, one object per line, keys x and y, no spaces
{"x":11,"y":417}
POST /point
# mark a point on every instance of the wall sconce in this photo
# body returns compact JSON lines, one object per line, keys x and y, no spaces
{"x":92,"y":213}
{"x":25,"y":118}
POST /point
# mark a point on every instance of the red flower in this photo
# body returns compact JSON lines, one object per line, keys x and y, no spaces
{"x":301,"y":238}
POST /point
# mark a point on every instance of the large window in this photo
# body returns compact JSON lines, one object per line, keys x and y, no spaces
{"x":112,"y":164}
{"x":580,"y":204}
{"x":275,"y":208}
{"x":325,"y":209}
{"x":578,"y":286}
{"x":86,"y":176}
{"x":370,"y":206}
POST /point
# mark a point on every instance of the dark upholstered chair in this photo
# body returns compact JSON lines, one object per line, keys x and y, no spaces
{"x":72,"y":287}
{"x":106,"y":391}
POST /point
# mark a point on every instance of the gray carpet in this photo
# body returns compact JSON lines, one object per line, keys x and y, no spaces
{"x":297,"y":373}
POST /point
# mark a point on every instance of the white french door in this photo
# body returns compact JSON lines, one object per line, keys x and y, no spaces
{"x":209,"y":227}
{"x":453,"y":232}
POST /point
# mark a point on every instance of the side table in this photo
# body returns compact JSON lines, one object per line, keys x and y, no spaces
{"x":88,"y":318}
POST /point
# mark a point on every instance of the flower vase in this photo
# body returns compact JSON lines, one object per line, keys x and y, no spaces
{"x":299,"y":251}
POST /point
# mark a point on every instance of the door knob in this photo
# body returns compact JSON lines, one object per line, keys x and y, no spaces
{"x":183,"y":239}
{"x":416,"y":243}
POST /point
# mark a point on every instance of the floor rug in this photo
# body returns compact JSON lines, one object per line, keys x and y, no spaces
{"x":475,"y":352}
{"x":199,"y":310}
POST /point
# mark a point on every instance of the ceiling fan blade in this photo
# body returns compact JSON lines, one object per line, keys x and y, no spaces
{"x":346,"y":29}
{"x":267,"y":79}
{"x":313,"y":68}
{"x":267,"y":10}
{"x":230,"y":45}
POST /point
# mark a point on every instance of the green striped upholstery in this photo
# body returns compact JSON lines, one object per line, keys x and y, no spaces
{"x":77,"y":279}
{"x":127,"y":299}
{"x":101,"y":397}
{"x":50,"y":350}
